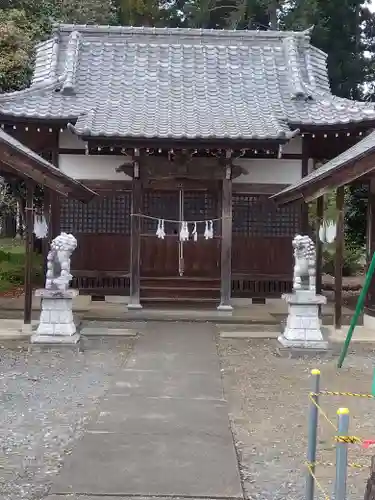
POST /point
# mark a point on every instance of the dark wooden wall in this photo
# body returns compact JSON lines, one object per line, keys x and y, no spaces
{"x":262,"y":257}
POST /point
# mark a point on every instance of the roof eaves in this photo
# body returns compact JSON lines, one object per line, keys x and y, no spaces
{"x":298,"y":190}
{"x":78,"y":190}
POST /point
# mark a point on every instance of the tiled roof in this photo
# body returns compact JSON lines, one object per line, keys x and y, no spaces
{"x":39,"y":170}
{"x":363,"y":148}
{"x":182,"y":83}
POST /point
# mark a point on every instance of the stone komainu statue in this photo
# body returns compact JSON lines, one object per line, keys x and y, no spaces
{"x":304,"y":263}
{"x":58,"y":274}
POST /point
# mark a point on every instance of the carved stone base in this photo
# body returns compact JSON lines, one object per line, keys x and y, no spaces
{"x":56,"y":339}
{"x":134,"y":306}
{"x":303,"y":328}
{"x":225,"y":308}
{"x":56,"y":324}
{"x":303,"y":344}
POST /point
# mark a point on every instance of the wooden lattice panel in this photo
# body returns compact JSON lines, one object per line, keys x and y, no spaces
{"x":200,"y":205}
{"x":254,"y":215}
{"x":163,"y":205}
{"x":104,"y":214}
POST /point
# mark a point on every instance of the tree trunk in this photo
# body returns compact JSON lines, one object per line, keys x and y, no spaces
{"x":10,"y":226}
{"x":272,"y":14}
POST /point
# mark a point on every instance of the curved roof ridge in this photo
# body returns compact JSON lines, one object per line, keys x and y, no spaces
{"x":108,"y":29}
{"x":298,"y":87}
{"x":49,"y":84}
{"x":343,"y":100}
{"x":71,"y":61}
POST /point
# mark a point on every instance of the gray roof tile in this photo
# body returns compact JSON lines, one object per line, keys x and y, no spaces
{"x":180,"y":83}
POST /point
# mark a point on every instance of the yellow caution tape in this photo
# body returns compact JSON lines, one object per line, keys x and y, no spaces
{"x":348,"y":439}
{"x":337,"y":393}
{"x":321,"y":411}
{"x":320,"y":487}
{"x":353,"y":465}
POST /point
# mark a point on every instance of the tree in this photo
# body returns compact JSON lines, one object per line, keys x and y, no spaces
{"x":344,"y":29}
{"x":15,"y":50}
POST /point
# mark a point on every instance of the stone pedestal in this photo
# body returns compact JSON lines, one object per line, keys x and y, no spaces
{"x":303,"y":328}
{"x":56,"y":325}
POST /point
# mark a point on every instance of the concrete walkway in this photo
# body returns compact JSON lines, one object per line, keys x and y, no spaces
{"x":163,"y":427}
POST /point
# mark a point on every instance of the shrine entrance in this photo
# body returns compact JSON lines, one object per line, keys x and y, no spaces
{"x":170,"y":257}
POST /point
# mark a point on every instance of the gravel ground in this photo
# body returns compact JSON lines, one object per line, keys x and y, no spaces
{"x":46,"y":399}
{"x":268,"y":405}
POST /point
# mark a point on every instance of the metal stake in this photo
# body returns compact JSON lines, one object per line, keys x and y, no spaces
{"x":341,"y":455}
{"x":312,"y":433}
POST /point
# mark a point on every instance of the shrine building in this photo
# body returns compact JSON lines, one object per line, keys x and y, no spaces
{"x":184,"y":134}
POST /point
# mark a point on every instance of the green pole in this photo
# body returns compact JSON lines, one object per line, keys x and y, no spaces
{"x":358,"y":310}
{"x":373,"y":384}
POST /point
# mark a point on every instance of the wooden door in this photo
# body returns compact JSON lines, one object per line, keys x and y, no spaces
{"x":170,"y":257}
{"x":159,"y":258}
{"x":202,"y":257}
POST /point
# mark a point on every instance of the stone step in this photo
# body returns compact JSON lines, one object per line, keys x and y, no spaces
{"x":260,"y":331}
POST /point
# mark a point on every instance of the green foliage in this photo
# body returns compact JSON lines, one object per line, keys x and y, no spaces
{"x":356,"y":202}
{"x":12,"y":269}
{"x":8,"y":203}
{"x":15,"y":50}
{"x":354,"y":258}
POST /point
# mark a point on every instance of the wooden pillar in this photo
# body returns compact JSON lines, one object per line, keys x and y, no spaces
{"x":370,"y":245}
{"x":318,"y":243}
{"x":47,"y":215}
{"x":135,"y":230}
{"x":226,"y":238}
{"x":339,"y":255}
{"x":29,"y":220}
{"x":304,"y":172}
{"x":55,"y":199}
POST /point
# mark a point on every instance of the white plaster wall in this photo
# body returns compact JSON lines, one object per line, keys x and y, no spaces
{"x":68,"y":140}
{"x":103,"y":167}
{"x":269,"y":171}
{"x":95,"y":167}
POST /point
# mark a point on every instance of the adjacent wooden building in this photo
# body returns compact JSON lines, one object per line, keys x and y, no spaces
{"x":182,"y":125}
{"x":355,"y":165}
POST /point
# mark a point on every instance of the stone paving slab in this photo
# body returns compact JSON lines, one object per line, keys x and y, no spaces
{"x":163,"y":427}
{"x":151,"y":465}
{"x":122,"y":497}
{"x":166,"y":383}
{"x":88,"y":331}
{"x":174,"y":361}
{"x":162,"y":416}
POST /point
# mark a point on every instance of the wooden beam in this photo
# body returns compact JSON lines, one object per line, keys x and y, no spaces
{"x":47,"y":214}
{"x":318,"y":243}
{"x":328,"y":180}
{"x":135,"y":230}
{"x":182,"y":166}
{"x":340,"y":177}
{"x":226,"y":238}
{"x":370,"y":244}
{"x":28,"y":256}
{"x":339,"y":256}
{"x":304,"y":173}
